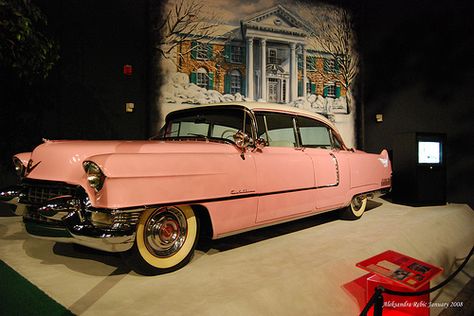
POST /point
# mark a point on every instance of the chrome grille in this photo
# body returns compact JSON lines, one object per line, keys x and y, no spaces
{"x":40,"y":193}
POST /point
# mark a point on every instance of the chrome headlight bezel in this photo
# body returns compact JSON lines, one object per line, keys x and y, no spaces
{"x":19,"y":167}
{"x":95,"y":176}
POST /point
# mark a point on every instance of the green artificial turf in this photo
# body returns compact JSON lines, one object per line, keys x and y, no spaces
{"x":18,"y":296}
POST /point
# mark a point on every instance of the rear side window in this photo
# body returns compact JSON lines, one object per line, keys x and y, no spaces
{"x":314,"y":133}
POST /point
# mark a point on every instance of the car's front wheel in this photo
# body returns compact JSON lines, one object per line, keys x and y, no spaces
{"x":165,"y":240}
{"x":356,"y":209}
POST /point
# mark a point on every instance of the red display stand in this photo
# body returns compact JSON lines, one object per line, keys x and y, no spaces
{"x":398,"y":272}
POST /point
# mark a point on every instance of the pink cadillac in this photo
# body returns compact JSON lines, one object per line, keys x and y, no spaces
{"x":212,"y":171}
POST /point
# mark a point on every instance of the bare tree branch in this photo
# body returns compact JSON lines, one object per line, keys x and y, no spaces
{"x":185,"y":20}
{"x":332,"y":31}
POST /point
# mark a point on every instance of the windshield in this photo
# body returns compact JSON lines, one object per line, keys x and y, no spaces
{"x":209,"y":123}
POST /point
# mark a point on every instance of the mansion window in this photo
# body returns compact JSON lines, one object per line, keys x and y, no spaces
{"x":235,"y":82}
{"x":202,"y":78}
{"x":272,"y":56}
{"x":236,"y":54}
{"x":310,"y":86}
{"x":330,"y":90}
{"x":331,"y":65}
{"x":310,"y":63}
{"x":201,"y":51}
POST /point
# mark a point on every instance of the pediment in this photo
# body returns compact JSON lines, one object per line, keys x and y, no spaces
{"x":278,"y":18}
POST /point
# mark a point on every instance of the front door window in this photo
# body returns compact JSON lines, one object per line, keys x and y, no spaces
{"x":273,"y":90}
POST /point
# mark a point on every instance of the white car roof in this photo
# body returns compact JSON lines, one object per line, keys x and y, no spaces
{"x":262,"y":106}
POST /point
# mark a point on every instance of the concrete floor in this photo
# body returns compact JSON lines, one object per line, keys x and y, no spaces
{"x":298,"y":268}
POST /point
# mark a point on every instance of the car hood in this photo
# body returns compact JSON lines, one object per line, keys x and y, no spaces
{"x":62,"y":160}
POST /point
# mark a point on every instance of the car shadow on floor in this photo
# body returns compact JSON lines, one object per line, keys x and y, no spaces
{"x":254,"y":236}
{"x":7,"y":210}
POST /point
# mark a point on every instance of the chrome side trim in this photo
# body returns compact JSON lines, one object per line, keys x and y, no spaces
{"x":336,"y":163}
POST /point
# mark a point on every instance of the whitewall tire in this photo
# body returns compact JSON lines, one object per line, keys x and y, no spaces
{"x":165,"y":240}
{"x":356,"y":209}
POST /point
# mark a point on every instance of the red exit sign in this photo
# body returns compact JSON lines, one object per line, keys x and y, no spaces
{"x":127,"y":70}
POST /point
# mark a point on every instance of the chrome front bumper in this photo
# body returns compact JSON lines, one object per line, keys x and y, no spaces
{"x":70,"y":219}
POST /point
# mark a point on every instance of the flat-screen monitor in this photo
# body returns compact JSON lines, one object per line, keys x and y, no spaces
{"x":430,"y":152}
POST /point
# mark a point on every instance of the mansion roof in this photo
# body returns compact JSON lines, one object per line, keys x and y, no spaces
{"x":275,"y":24}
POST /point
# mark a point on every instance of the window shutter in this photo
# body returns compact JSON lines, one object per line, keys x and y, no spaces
{"x":227,"y":83}
{"x":243,"y":87}
{"x":227,"y":53}
{"x":338,"y":91}
{"x":313,"y":88}
{"x":300,"y":62}
{"x":326,"y":65}
{"x":336,"y":65}
{"x":325,"y":91}
{"x":193,"y":49}
{"x":193,"y":77}
{"x":310,"y":63}
{"x":211,"y":81}
{"x":300,"y":88}
{"x":244,"y":55}
{"x":209,"y":51}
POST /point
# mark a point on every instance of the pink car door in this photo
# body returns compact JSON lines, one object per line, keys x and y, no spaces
{"x":329,"y":160}
{"x":285,"y":175}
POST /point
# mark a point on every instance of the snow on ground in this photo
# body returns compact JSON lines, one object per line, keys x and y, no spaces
{"x":178,"y":93}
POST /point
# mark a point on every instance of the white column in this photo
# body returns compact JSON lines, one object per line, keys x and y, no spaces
{"x":293,"y":73}
{"x":305,"y":79}
{"x":250,"y":85}
{"x":263,"y":72}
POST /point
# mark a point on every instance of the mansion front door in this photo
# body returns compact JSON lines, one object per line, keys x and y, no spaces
{"x":273,"y":90}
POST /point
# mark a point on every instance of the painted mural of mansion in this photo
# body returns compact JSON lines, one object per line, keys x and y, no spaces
{"x":267,"y":58}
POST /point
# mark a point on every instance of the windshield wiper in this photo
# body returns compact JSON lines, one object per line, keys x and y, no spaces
{"x":197,"y":135}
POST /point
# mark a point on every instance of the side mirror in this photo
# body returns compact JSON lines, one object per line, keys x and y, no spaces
{"x":241,"y":140}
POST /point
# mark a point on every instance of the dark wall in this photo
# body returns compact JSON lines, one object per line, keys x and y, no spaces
{"x":90,"y":90}
{"x":417,"y":71}
{"x":85,"y":95}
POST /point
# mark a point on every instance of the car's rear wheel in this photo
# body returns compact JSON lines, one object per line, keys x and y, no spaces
{"x":165,"y":240}
{"x":356,"y":209}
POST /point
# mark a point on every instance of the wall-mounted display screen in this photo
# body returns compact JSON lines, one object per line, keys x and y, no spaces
{"x":429,"y":152}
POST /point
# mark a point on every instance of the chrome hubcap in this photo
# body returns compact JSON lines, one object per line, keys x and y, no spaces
{"x":165,"y":231}
{"x":357,"y":203}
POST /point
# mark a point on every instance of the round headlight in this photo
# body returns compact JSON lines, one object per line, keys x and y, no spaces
{"x":95,"y":176}
{"x":19,"y":167}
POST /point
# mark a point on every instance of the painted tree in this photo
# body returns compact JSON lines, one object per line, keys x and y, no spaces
{"x":183,"y":22}
{"x":25,"y":48}
{"x":175,"y":23}
{"x":333,"y":31}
